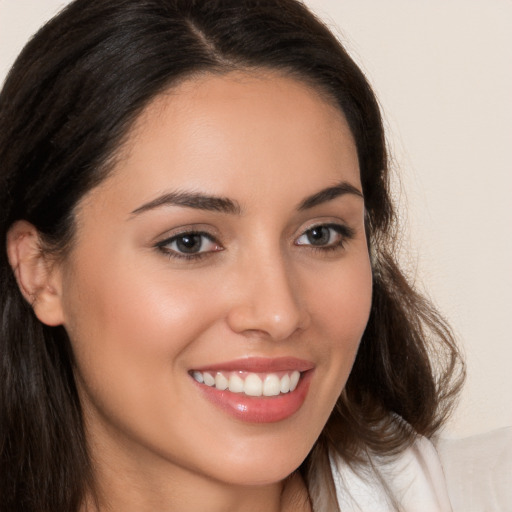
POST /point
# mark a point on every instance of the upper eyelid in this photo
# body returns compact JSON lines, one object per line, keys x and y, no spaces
{"x":327,"y":223}
{"x":348,"y":230}
{"x":171,"y":234}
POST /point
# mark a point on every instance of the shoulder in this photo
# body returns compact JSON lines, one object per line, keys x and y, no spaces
{"x":414,"y":479}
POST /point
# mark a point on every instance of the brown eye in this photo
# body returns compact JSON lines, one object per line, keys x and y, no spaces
{"x":189,"y":245}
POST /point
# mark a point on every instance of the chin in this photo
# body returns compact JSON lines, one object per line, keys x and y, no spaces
{"x":263,"y":468}
{"x":258,"y":476}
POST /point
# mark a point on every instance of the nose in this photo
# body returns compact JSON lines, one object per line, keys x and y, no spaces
{"x":267,"y":302}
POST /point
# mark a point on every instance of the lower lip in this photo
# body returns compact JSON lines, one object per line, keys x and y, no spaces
{"x":260,"y":409}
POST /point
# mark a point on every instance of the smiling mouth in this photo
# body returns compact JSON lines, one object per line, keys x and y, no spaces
{"x":256,"y":389}
{"x":250,"y":383}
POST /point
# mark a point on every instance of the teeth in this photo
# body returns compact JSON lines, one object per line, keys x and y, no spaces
{"x":221,"y":382}
{"x":251,"y":384}
{"x":294,"y":380}
{"x":236,"y":384}
{"x":208,"y":379}
{"x":285,"y":384}
{"x":271,"y":385}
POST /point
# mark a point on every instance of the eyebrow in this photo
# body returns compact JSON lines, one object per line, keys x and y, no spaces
{"x":192,"y":200}
{"x":328,"y":194}
{"x":201,"y":201}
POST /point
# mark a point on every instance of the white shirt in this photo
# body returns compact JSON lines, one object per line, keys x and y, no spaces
{"x":415,"y":479}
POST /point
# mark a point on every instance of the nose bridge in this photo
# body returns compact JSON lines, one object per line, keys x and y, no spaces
{"x":268,"y":303}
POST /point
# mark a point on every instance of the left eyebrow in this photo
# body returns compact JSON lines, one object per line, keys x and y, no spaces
{"x":191,"y":200}
{"x":328,"y":194}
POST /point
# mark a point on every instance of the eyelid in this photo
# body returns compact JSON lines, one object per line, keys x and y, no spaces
{"x":163,"y":245}
{"x":199,"y":228}
{"x":170,"y":237}
{"x":339,"y":226}
{"x":346,"y":233}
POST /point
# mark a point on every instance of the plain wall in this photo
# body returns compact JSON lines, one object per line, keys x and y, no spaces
{"x":442,"y":70}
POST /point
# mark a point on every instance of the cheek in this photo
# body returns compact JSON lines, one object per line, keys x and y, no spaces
{"x":131,"y":328}
{"x":135,"y":308}
{"x":128,"y":326}
{"x":340,"y":305}
{"x":340,"y":301}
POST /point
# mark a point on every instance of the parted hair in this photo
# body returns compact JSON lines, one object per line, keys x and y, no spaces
{"x":65,"y":109}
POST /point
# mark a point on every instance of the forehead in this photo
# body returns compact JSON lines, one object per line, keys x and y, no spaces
{"x":238,"y":131}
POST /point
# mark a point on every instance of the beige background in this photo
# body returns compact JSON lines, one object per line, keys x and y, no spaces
{"x":443,"y":72}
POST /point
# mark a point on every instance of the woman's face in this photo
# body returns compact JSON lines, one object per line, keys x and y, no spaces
{"x":228,"y":245}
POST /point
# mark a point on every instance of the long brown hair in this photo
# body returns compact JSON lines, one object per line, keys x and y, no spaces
{"x":68,"y":102}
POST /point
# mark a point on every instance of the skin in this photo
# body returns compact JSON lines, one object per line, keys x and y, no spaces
{"x":140,"y":319}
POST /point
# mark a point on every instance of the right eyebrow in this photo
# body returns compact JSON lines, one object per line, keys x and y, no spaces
{"x":328,"y":194}
{"x":191,"y":200}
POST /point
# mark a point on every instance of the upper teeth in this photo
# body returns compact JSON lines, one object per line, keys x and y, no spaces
{"x":251,"y":384}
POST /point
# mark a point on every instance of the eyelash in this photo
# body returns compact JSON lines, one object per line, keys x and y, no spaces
{"x":172,"y":253}
{"x":343,"y":231}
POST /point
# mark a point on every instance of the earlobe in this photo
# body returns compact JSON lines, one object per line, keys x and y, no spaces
{"x":38,"y":279}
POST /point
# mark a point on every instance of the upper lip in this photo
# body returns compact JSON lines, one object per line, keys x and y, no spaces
{"x":260,"y":365}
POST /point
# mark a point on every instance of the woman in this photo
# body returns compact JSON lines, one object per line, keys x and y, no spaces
{"x":200,"y":303}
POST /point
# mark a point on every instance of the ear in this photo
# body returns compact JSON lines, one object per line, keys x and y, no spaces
{"x":38,"y":278}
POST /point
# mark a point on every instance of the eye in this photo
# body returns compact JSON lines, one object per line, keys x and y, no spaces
{"x":326,"y":236}
{"x":189,"y":245}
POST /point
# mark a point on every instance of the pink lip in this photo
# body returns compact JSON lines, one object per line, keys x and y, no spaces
{"x":260,"y":365}
{"x":260,"y":409}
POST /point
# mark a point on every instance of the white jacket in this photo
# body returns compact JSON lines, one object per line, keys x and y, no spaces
{"x":415,"y":479}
